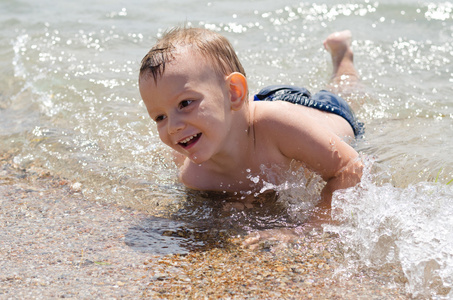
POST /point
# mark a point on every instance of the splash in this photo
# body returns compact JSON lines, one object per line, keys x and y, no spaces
{"x":410,"y":227}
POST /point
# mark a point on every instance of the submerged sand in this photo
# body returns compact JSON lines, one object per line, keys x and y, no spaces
{"x":55,"y":243}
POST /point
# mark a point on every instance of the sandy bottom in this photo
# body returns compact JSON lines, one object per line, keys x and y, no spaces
{"x":57,"y":244}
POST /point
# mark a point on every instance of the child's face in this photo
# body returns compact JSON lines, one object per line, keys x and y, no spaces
{"x":190,"y":104}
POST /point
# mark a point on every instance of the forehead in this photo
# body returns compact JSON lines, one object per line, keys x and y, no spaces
{"x":189,"y":62}
{"x":188,"y":70}
{"x":185,"y":61}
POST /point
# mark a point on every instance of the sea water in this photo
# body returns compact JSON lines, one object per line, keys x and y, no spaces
{"x":69,"y":103}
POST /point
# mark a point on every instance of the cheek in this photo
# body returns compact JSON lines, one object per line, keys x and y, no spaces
{"x":163,"y":136}
{"x":213,"y":114}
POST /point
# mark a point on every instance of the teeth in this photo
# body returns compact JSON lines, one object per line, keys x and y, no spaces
{"x":188,"y":139}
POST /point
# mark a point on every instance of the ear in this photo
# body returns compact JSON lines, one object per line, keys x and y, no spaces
{"x":237,"y":84}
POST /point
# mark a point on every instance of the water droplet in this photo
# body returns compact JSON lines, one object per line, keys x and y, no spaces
{"x":253,"y":179}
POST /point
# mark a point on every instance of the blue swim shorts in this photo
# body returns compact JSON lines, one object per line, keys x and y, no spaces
{"x":323,"y":100}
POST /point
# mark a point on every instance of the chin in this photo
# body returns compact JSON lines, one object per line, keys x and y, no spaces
{"x":198,"y":159}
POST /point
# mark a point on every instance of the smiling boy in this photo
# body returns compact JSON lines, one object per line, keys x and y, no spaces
{"x":195,"y":89}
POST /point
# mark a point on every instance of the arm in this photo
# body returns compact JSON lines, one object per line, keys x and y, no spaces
{"x":302,"y":135}
{"x":347,"y":177}
{"x":344,"y":178}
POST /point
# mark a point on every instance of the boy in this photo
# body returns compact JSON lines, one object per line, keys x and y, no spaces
{"x":195,"y":89}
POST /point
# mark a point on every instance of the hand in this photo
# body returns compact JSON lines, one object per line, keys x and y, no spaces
{"x":273,"y":239}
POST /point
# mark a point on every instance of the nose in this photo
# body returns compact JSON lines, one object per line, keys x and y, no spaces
{"x":175,"y":124}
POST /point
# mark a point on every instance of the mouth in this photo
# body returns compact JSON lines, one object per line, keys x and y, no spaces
{"x":189,"y":141}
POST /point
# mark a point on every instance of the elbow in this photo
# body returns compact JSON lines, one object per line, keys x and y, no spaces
{"x":352,"y":173}
{"x":348,"y":176}
{"x":356,"y":171}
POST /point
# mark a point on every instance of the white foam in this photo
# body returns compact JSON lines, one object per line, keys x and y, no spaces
{"x":411,"y":227}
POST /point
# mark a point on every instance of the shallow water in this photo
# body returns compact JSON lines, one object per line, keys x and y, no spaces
{"x":69,"y":103}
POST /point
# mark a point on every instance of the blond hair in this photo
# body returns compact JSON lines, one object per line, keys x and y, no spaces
{"x":215,"y":47}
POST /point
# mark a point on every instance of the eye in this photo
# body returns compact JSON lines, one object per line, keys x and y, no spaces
{"x":160,"y":118}
{"x":184,"y":103}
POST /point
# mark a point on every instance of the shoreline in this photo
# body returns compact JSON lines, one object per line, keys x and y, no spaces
{"x":57,"y":244}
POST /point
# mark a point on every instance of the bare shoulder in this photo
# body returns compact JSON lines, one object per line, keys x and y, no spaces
{"x":275,"y":116}
{"x":190,"y":175}
{"x":303,"y":134}
{"x":195,"y":177}
{"x":280,"y":114}
{"x":280,"y":126}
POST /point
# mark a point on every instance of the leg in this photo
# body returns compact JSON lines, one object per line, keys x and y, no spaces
{"x":345,"y":78}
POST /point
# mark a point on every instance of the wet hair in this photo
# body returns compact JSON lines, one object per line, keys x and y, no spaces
{"x":215,"y":47}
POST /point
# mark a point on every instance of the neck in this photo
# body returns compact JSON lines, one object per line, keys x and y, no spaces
{"x":237,"y":151}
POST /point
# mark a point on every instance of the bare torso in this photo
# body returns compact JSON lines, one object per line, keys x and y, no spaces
{"x":263,"y":151}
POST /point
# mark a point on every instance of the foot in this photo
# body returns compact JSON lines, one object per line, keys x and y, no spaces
{"x":338,"y":44}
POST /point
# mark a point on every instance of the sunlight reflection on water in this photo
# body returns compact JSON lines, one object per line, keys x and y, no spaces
{"x":69,"y":103}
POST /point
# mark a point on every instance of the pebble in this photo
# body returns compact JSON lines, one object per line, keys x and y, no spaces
{"x":58,"y":252}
